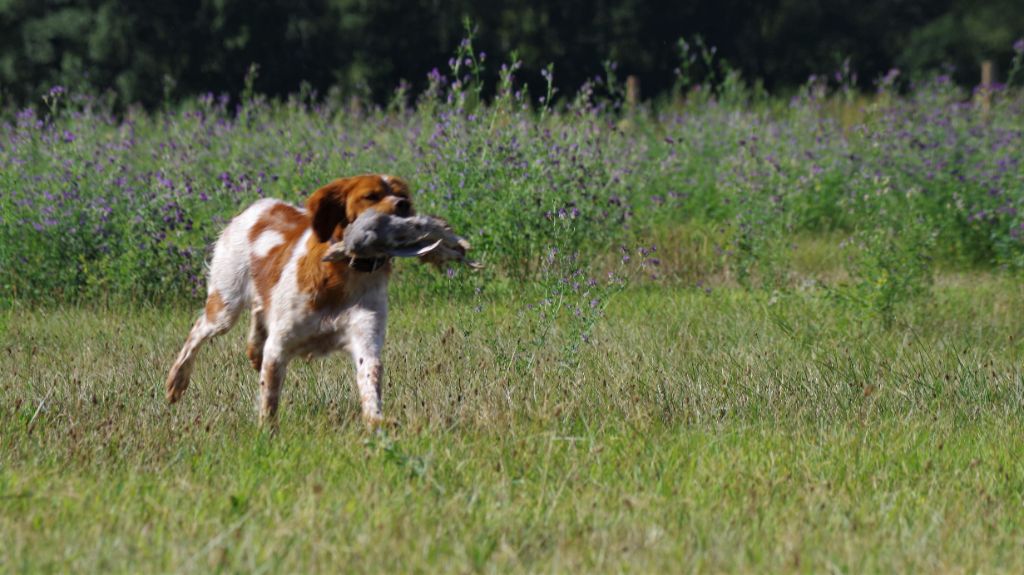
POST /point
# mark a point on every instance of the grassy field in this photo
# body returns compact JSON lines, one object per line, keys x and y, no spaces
{"x":723,"y":431}
{"x":722,"y":331}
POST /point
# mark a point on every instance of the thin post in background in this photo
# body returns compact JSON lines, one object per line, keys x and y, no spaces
{"x":632,"y":91}
{"x":985,"y":89}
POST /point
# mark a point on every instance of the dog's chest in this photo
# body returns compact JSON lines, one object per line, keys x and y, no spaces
{"x":360,"y":322}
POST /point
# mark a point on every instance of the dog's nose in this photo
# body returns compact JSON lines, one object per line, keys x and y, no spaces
{"x":403,"y":208}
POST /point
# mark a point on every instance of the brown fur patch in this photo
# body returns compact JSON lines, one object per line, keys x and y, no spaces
{"x":291,"y":223}
{"x":332,"y":207}
{"x":329,"y":210}
{"x":324,"y":280}
{"x":214,"y":305}
{"x":255,"y":355}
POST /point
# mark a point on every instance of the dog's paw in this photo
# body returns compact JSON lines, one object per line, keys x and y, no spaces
{"x":177,"y":383}
{"x":375,"y":422}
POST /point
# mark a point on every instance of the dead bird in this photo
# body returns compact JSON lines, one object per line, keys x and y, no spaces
{"x":376,"y":235}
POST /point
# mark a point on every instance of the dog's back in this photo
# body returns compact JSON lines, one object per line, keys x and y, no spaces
{"x":264,"y":230}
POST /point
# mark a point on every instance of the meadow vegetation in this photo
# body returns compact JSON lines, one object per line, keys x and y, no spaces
{"x":719,"y":332}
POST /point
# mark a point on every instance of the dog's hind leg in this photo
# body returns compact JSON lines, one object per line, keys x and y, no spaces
{"x":217,"y":318}
{"x":257,"y":337}
{"x":229,"y":290}
{"x":272,"y":373}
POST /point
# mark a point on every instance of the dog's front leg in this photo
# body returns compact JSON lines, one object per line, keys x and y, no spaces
{"x":369,"y":377}
{"x":366,"y":342}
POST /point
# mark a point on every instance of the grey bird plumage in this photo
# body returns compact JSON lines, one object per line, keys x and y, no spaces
{"x":374,"y":235}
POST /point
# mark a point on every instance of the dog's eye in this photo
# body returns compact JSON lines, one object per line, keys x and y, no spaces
{"x":375,"y":197}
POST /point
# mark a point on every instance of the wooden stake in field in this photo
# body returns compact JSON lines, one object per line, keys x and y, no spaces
{"x":632,"y":99}
{"x":632,"y":91}
{"x":985,"y":89}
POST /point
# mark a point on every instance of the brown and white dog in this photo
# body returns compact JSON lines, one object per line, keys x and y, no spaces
{"x":271,"y":257}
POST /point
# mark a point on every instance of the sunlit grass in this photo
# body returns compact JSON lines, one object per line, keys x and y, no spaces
{"x":721,"y":431}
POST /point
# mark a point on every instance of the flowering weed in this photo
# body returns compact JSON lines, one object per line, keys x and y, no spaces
{"x":94,"y":204}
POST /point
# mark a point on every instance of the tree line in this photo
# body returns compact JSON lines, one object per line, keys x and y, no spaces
{"x":152,"y":51}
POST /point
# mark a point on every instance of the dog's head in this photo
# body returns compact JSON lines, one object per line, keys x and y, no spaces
{"x":333,"y":206}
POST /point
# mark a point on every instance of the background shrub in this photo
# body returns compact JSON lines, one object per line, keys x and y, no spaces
{"x":95,"y":204}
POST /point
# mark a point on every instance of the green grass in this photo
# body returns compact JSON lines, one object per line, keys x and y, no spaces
{"x":730,"y":431}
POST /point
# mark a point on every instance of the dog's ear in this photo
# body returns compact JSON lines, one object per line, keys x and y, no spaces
{"x":327,"y":208}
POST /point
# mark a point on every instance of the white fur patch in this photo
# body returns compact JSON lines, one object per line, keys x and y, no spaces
{"x":267,"y":241}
